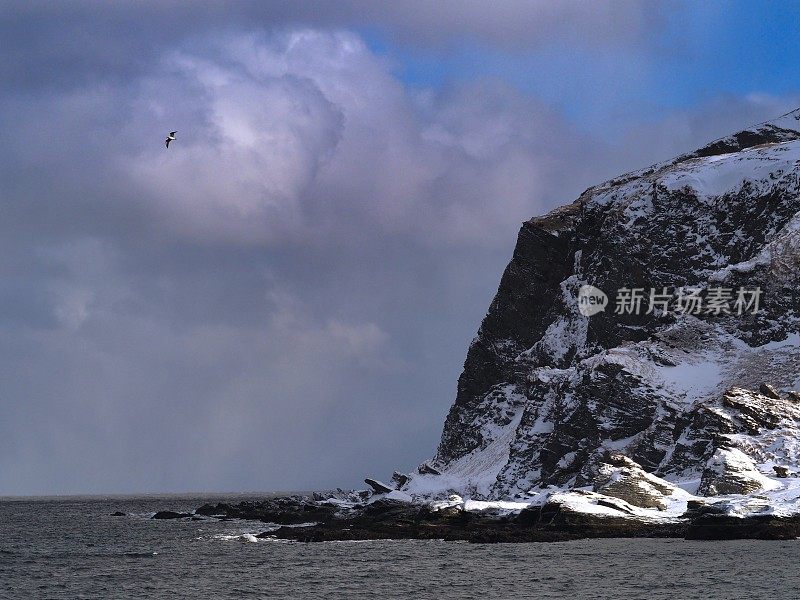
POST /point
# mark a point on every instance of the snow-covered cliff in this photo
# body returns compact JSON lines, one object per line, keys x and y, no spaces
{"x":689,"y":385}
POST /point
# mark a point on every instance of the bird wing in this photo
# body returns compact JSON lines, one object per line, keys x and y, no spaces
{"x":167,"y":142}
{"x":172,"y":133}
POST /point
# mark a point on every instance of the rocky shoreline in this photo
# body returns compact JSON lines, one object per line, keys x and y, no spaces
{"x":306,"y":519}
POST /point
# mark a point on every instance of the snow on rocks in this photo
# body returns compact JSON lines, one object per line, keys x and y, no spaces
{"x":731,"y":471}
{"x":587,"y":502}
{"x":378,"y":486}
{"x":625,"y":479}
{"x":394,"y":495}
{"x":454,"y":501}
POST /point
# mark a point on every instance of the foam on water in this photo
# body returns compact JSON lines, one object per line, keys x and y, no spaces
{"x":244,"y":537}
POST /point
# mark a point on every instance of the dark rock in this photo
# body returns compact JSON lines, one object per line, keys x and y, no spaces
{"x":781,"y":471}
{"x":210,"y":510}
{"x":379,"y":487}
{"x":696,"y":507}
{"x":615,"y":505}
{"x":551,"y":522}
{"x":119,"y":514}
{"x":696,"y":504}
{"x":793,"y":396}
{"x":394,"y":521}
{"x":169,"y":514}
{"x":555,"y":517}
{"x":283,"y":511}
{"x":426,"y":469}
{"x":723,"y":527}
{"x":400,"y":479}
{"x":387,"y":519}
{"x":769,"y":391}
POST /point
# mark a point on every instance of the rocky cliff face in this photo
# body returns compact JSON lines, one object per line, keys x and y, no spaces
{"x":676,"y":384}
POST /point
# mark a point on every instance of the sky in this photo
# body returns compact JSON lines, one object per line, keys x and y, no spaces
{"x":284,"y":298}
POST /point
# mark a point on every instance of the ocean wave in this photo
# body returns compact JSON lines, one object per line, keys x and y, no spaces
{"x":234,"y":537}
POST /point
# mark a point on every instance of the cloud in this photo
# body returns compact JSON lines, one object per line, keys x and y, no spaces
{"x":285,"y":296}
{"x":308,"y":134}
{"x":277,"y":283}
{"x":243,"y":169}
{"x":299,"y":135}
{"x":55,"y":38}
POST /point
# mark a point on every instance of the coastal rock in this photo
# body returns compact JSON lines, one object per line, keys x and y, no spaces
{"x":170,"y":514}
{"x":724,"y":527}
{"x":399,"y":496}
{"x":400,"y":479}
{"x":426,"y":469}
{"x":730,"y":471}
{"x":454,"y":502}
{"x":623,"y":478}
{"x":378,"y":486}
{"x":563,"y":517}
{"x":290,"y":510}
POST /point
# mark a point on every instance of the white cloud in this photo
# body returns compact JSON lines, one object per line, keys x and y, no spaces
{"x":308,"y":134}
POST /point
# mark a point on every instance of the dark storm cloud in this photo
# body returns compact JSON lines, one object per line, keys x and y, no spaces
{"x":285,"y":296}
{"x":78,"y":43}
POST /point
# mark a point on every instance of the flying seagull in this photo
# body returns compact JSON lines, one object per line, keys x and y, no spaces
{"x":170,"y":137}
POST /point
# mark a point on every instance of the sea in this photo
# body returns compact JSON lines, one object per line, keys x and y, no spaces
{"x":71,"y":547}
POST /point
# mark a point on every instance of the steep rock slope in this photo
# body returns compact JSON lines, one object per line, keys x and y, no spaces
{"x":548,"y":393}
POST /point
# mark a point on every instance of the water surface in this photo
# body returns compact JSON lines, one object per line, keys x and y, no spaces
{"x":72,"y":548}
